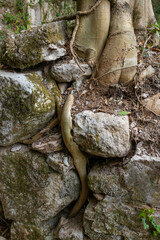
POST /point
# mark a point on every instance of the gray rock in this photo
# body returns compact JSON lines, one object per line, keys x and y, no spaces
{"x":32,"y":194}
{"x":72,"y":229}
{"x":128,"y":190}
{"x":34,"y":46}
{"x":49,"y":143}
{"x":25,"y":105}
{"x":114,"y":219}
{"x":60,"y":162}
{"x":102,"y":134}
{"x":68,"y":71}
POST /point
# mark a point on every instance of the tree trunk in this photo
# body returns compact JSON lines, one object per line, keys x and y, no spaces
{"x":93,"y":30}
{"x":129,"y":18}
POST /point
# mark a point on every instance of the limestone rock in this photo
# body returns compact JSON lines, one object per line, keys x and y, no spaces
{"x":49,"y":143}
{"x":69,"y":71}
{"x":32,"y":194}
{"x":60,"y":162}
{"x":72,"y":229}
{"x":102,"y":134}
{"x":128,"y":190}
{"x":34,"y":46}
{"x":116,"y":220}
{"x":25,"y":105}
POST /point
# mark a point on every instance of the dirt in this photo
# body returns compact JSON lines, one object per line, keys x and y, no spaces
{"x":144,"y":124}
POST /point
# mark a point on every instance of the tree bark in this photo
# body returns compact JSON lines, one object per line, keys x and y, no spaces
{"x":93,"y":30}
{"x":129,"y":19}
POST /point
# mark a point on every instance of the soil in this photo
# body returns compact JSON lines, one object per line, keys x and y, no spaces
{"x":118,"y":100}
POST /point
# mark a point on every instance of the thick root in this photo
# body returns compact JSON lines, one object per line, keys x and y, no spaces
{"x":79,"y":159}
{"x":93,"y":30}
{"x":120,"y":54}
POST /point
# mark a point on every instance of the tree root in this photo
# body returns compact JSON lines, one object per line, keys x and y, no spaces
{"x":80,"y":160}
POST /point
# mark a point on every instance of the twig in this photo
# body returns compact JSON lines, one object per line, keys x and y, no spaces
{"x":145,"y":44}
{"x":78,"y":14}
{"x":52,"y":124}
{"x":118,"y":69}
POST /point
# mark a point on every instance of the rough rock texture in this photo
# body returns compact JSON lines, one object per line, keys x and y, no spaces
{"x":128,"y":190}
{"x":32,"y":193}
{"x":34,"y":46}
{"x":102,"y":134}
{"x":25,"y":105}
{"x":49,"y":143}
{"x":60,"y":162}
{"x":72,"y":229}
{"x":68,"y":71}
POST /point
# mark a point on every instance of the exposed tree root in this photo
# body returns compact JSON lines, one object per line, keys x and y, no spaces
{"x":80,"y":160}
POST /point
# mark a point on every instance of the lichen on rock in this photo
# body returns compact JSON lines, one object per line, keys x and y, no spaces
{"x":102,"y":134}
{"x":25,"y":105}
{"x":34,"y":46}
{"x":32,"y":194}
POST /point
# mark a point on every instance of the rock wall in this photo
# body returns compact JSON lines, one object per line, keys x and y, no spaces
{"x":38,"y":181}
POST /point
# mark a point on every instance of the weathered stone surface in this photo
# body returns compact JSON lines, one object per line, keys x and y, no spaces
{"x":32,"y":193}
{"x":72,"y":229}
{"x":68,"y":71}
{"x":102,"y":134}
{"x":128,"y":190}
{"x":25,"y":105}
{"x":34,"y":46}
{"x":49,"y":143}
{"x":116,"y":220}
{"x":60,"y":162}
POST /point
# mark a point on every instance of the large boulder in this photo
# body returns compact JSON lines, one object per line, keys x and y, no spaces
{"x":34,"y":46}
{"x":32,"y":194}
{"x":25,"y":105}
{"x":125,"y":191}
{"x":102,"y":134}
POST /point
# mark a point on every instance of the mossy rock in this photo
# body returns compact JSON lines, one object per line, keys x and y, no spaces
{"x":34,"y":46}
{"x":26,"y":106}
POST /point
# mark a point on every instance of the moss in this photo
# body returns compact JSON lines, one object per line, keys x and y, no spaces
{"x":24,"y":108}
{"x":57,"y":94}
{"x":26,"y":49}
{"x":26,"y":175}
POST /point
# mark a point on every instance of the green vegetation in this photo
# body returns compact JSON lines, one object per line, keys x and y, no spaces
{"x":149,"y":221}
{"x":18,"y":18}
{"x":156,"y":7}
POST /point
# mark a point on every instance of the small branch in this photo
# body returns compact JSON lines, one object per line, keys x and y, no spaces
{"x":65,"y":17}
{"x":87,"y":12}
{"x":52,"y":124}
{"x":118,"y":69}
{"x":76,"y":16}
